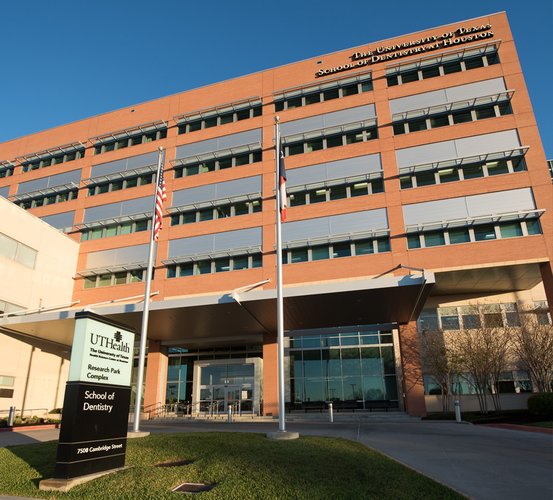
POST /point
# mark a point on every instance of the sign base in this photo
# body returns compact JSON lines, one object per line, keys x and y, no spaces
{"x":66,"y":484}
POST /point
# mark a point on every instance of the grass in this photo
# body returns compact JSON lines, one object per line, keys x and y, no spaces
{"x":243,"y":466}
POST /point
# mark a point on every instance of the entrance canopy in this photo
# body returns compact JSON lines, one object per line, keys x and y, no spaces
{"x":249,"y":315}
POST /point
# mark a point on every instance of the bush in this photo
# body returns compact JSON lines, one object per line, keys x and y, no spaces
{"x":3,"y":423}
{"x":57,"y":410}
{"x":541,"y":404}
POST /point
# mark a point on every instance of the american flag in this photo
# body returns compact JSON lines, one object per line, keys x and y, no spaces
{"x":161,"y":196}
{"x":282,"y":186}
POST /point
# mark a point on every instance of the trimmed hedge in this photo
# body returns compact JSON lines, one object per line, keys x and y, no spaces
{"x":541,"y":404}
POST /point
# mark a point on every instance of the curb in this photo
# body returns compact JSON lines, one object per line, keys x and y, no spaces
{"x":23,"y":428}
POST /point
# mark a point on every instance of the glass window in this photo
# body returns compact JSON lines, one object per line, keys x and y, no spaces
{"x":399,"y":128}
{"x":533,"y":226}
{"x":448,"y":175}
{"x":203,"y":266}
{"x":341,"y":250}
{"x":312,"y":98}
{"x":392,"y":80}
{"x":413,"y":241}
{"x":416,"y":125}
{"x":364,"y":247}
{"x":472,"y":171}
{"x":459,"y":235}
{"x":383,"y":244}
{"x":474,"y":62}
{"x":299,"y":255}
{"x":410,"y":76}
{"x":452,"y":67}
{"x":485,"y":112}
{"x":439,"y":121}
{"x":359,"y":189}
{"x":492,"y":316}
{"x":461,"y":116}
{"x":484,"y":232}
{"x":449,"y":317}
{"x":222,"y":265}
{"x":240,"y":262}
{"x":186,"y":269}
{"x":331,"y":94}
{"x":434,"y":238}
{"x":426,"y":178}
{"x":471,"y":317}
{"x":317,"y":196}
{"x":295,"y":149}
{"x":296,"y":199}
{"x":406,"y":182}
{"x":431,"y":72}
{"x":338,"y":192}
{"x":334,"y":141}
{"x":510,"y":229}
{"x":319,"y":253}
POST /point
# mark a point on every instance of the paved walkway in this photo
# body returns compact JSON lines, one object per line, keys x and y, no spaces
{"x":483,"y":463}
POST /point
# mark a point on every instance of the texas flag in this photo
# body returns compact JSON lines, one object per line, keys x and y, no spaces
{"x":282,"y":186}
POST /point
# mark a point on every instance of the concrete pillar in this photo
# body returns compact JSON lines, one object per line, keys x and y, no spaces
{"x":156,"y":374}
{"x":270,"y":375}
{"x":547,"y":278}
{"x":412,"y":382}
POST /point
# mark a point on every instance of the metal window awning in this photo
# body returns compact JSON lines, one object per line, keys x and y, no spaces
{"x":453,"y":106}
{"x":214,"y":203}
{"x":473,"y":221}
{"x":215,"y":155}
{"x":325,"y":132}
{"x":335,"y":238}
{"x":248,"y":316}
{"x":467,"y":160}
{"x":249,"y":102}
{"x":45,"y":192}
{"x":113,"y":220}
{"x":356,"y":179}
{"x":48,"y":153}
{"x":123,"y":174}
{"x":450,"y":55}
{"x":299,"y":91}
{"x":6,"y":164}
{"x":234,"y":252}
{"x":112,"y":269}
{"x":128,"y":132}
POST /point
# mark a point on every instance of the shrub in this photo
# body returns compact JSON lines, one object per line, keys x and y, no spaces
{"x":541,"y":404}
{"x":3,"y":423}
{"x":57,"y":410}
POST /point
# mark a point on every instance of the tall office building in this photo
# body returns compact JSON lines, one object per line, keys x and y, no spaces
{"x":418,"y":191}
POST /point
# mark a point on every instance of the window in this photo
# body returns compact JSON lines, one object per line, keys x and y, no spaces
{"x":215,"y":212}
{"x":131,"y":138}
{"x":41,"y":160}
{"x":335,"y":192}
{"x":449,"y":318}
{"x":115,"y":278}
{"x":326,"y":92}
{"x":6,"y":169}
{"x":438,"y":118}
{"x":336,"y":250}
{"x":17,"y":251}
{"x":427,"y":69}
{"x":108,"y":230}
{"x":334,"y":140}
{"x":218,"y":117}
{"x":476,"y":232}
{"x":210,"y":266}
{"x":186,"y":170}
{"x":41,"y":200}
{"x":118,"y":184}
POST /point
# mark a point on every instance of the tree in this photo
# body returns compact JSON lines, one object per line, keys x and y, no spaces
{"x":533,"y":346}
{"x":482,"y":353}
{"x":439,"y":361}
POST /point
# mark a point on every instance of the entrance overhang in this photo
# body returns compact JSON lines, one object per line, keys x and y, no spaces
{"x":250,"y":315}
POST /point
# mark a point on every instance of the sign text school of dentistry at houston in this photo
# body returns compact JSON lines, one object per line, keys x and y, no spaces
{"x":459,"y":36}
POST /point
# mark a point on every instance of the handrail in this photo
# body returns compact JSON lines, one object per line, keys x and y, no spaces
{"x":22,"y":412}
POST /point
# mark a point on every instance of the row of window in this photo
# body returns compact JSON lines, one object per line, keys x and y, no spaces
{"x":330,"y":141}
{"x":126,"y":227}
{"x":217,"y":212}
{"x":336,"y":250}
{"x":339,"y":192}
{"x":49,"y":199}
{"x":460,"y":173}
{"x":323,"y":95}
{"x":451,"y":118}
{"x":17,"y":251}
{"x":131,"y":140}
{"x":509,"y":382}
{"x":478,"y":232}
{"x":118,"y":278}
{"x":478,"y":316}
{"x":210,"y":266}
{"x":441,"y":69}
{"x":222,"y":163}
{"x":118,"y":184}
{"x":219,"y":119}
{"x":54,"y":159}
{"x":6,"y":170}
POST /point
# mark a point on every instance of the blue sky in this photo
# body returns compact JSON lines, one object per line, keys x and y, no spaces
{"x":67,"y":60}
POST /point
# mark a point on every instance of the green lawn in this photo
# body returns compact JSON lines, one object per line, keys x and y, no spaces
{"x":242,"y":466}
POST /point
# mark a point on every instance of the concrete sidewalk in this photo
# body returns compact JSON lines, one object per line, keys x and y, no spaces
{"x":483,"y":463}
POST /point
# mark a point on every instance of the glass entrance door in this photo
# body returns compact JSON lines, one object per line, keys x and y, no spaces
{"x":225,"y":396}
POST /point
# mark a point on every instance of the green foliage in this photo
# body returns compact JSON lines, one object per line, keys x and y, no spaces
{"x":541,"y":404}
{"x":241,"y":465}
{"x":56,"y":410}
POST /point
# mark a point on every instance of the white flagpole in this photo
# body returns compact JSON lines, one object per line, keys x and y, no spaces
{"x":280,"y":305}
{"x":146,"y":310}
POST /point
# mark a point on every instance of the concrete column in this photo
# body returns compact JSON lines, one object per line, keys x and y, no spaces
{"x":156,"y":374}
{"x":270,"y":375}
{"x":547,"y":278}
{"x":412,"y":382}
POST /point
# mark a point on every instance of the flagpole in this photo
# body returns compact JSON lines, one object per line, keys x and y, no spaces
{"x":146,"y":310}
{"x":280,"y":305}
